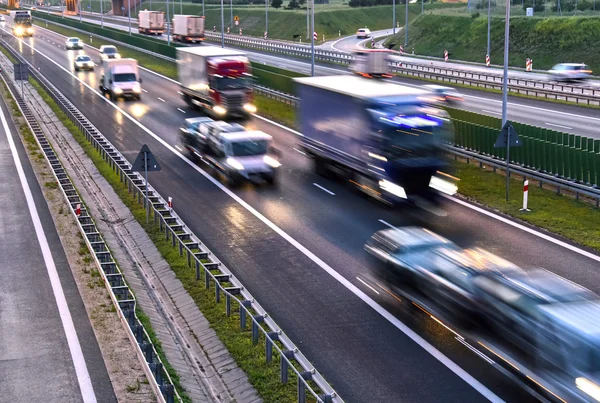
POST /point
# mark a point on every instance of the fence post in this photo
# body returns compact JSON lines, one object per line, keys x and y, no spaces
{"x":271,"y":337}
{"x":256,"y":320}
{"x":289,"y":354}
{"x":243,"y":304}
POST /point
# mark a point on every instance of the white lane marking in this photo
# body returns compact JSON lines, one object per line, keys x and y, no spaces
{"x":323,"y":189}
{"x":386,"y":223}
{"x":473,"y":349}
{"x":458,"y":371}
{"x":179,"y":148}
{"x":493,"y":112}
{"x":162,"y":100}
{"x":81,"y":371}
{"x":301,"y":152}
{"x":526,"y":229}
{"x":359,"y":279}
{"x":146,"y":91}
{"x":561,"y":126}
{"x":181,"y":110}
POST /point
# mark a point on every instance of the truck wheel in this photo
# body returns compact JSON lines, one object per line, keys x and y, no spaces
{"x":321,"y":167}
{"x":272,"y":179}
{"x":112,"y":97}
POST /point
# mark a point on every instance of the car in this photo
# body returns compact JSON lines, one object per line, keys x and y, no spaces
{"x":445,"y":94}
{"x":2,"y":18}
{"x":33,"y":8}
{"x":109,"y":52}
{"x":83,"y":62}
{"x":363,"y":33}
{"x":570,"y":72}
{"x":73,"y":43}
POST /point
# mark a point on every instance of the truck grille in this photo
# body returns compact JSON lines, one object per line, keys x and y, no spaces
{"x":233,"y":101}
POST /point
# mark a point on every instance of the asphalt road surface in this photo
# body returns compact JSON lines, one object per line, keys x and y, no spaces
{"x":299,"y":249}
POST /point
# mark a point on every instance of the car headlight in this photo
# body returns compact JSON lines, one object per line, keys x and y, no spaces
{"x":235,"y":164}
{"x":137,"y":89}
{"x":272,"y":162}
{"x":19,"y":31}
{"x":588,"y":387}
{"x":394,"y":189}
{"x":250,"y":108}
{"x":30,"y":30}
{"x":117,"y":56}
{"x":90,"y":64}
{"x":118,"y":91}
{"x":219,"y":110}
{"x":443,"y":186}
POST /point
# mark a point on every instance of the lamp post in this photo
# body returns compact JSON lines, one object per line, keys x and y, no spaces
{"x":394,"y":17}
{"x":505,"y":92}
{"x":266,"y":15}
{"x":222,"y":26}
{"x":406,"y":26}
{"x":129,"y":14}
{"x":488,"y":30}
{"x":312,"y":43}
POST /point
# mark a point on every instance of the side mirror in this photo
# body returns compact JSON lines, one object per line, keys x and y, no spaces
{"x":140,"y":80}
{"x":110,"y":81}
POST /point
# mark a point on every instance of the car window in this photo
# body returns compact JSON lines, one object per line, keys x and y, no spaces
{"x":83,"y":58}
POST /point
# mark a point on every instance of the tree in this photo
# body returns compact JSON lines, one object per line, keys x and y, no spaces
{"x":276,"y":3}
{"x":293,"y":4}
{"x":301,"y":2}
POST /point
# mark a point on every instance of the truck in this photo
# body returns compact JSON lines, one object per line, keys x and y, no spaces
{"x":534,"y":326}
{"x":217,"y":80}
{"x":385,"y":139}
{"x":21,"y":22}
{"x":371,"y":62}
{"x":151,"y":22}
{"x":188,"y":28}
{"x":121,"y":78}
{"x":236,"y":153}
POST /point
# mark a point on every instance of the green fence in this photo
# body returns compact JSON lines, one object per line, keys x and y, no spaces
{"x":561,"y":154}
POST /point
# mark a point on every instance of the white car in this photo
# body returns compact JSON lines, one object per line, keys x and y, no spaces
{"x":109,"y":52}
{"x":83,"y":62}
{"x":570,"y":72}
{"x":445,"y":94}
{"x":2,"y":18}
{"x":363,"y":33}
{"x":73,"y":43}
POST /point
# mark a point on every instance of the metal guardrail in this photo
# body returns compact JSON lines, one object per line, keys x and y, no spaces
{"x":198,"y":256}
{"x":120,"y":294}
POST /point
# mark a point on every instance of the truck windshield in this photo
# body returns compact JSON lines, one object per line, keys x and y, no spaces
{"x":109,"y":51}
{"x":230,"y":83}
{"x":124,"y":77}
{"x":248,"y":148}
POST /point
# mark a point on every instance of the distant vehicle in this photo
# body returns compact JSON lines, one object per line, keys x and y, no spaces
{"x":108,"y":52}
{"x":188,"y":28}
{"x":231,"y":150}
{"x":73,"y":43}
{"x":363,"y":33}
{"x":151,"y":22}
{"x":570,"y":72}
{"x":2,"y":18}
{"x":33,"y":8}
{"x":121,"y":78}
{"x":21,"y":22}
{"x":383,"y":138}
{"x":83,"y":62}
{"x":445,"y":94}
{"x":371,"y":63}
{"x":216,"y":79}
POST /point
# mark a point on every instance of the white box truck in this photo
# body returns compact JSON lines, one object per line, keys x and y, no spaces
{"x":20,"y":22}
{"x":188,"y":28}
{"x":151,"y":22}
{"x":371,"y":63}
{"x":121,"y":78}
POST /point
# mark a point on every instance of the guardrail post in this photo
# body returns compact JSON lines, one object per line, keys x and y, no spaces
{"x":271,"y":337}
{"x":189,"y":257}
{"x":139,"y":333}
{"x":243,"y":304}
{"x":180,"y":247}
{"x":227,"y":304}
{"x":328,"y":398}
{"x":158,"y":374}
{"x":147,"y":349}
{"x":256,"y":320}
{"x":289,"y":354}
{"x":198,"y":275}
{"x":301,"y":387}
{"x":173,"y":236}
{"x":206,"y":278}
{"x":168,"y":391}
{"x":217,"y":292}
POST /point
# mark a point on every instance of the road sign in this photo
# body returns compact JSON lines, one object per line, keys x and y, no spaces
{"x":21,"y":72}
{"x":502,"y":139}
{"x":145,"y":161}
{"x":236,"y":22}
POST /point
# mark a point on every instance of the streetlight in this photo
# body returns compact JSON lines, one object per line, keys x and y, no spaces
{"x":222,"y":26}
{"x":266,"y":15}
{"x":129,"y":14}
{"x":312,"y":43}
{"x":231,"y":12}
{"x":79,"y":10}
{"x":406,"y":27}
{"x":394,"y":16}
{"x":168,"y":26}
{"x":488,"y":32}
{"x":101,"y":14}
{"x":505,"y":92}
{"x":203,"y":13}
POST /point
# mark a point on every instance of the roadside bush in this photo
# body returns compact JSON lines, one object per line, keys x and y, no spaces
{"x":475,"y":15}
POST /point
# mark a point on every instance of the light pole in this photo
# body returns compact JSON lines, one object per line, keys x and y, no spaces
{"x":394,"y":17}
{"x":79,"y":10}
{"x":312,"y":43}
{"x":488,"y":32}
{"x":203,"y":13}
{"x":307,"y":22}
{"x":222,"y":26}
{"x":406,"y":27}
{"x":180,"y":7}
{"x":168,"y":26}
{"x":129,"y":14}
{"x":101,"y":14}
{"x":505,"y":92}
{"x":266,"y":15}
{"x":231,"y":13}
{"x":422,"y":6}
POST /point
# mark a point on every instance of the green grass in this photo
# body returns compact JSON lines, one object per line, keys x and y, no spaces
{"x":264,"y":377}
{"x":545,"y":40}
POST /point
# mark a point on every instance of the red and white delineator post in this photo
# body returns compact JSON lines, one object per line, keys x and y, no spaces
{"x":525,"y":195}
{"x":401,"y":50}
{"x":78,"y":210}
{"x":529,"y":64}
{"x":487,"y":60}
{"x":445,"y":55}
{"x":170,"y":203}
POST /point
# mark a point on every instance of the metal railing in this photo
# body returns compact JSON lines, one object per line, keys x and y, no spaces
{"x":120,"y":293}
{"x":206,"y":265}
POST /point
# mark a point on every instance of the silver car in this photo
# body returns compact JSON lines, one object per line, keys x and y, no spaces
{"x":570,"y":72}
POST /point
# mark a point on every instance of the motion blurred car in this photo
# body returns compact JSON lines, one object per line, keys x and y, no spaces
{"x":570,"y":72}
{"x":363,"y":33}
{"x":83,"y":62}
{"x":446,"y":95}
{"x":109,"y":52}
{"x":73,"y":43}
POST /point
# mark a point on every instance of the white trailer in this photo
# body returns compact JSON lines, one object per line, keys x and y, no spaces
{"x":151,"y":22}
{"x":188,"y":28}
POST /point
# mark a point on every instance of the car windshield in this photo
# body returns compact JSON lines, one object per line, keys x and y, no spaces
{"x":74,"y":39}
{"x":124,"y":77}
{"x":110,"y":50}
{"x":83,"y":59}
{"x":248,"y":148}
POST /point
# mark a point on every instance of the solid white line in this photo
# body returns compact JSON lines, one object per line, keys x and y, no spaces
{"x":562,"y":127}
{"x":160,"y":99}
{"x":461,"y":373}
{"x":146,"y":91}
{"x":301,"y":152}
{"x":359,"y":279}
{"x":473,"y":349}
{"x":494,"y":112}
{"x":181,"y":110}
{"x":81,"y":371}
{"x":386,"y":223}
{"x":179,"y":148}
{"x":323,"y":189}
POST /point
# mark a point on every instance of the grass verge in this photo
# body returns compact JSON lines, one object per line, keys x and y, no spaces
{"x":252,"y":359}
{"x":106,"y":170}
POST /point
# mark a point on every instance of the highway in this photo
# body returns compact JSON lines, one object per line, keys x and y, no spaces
{"x":48,"y":350}
{"x":299,"y":249}
{"x":559,"y":117}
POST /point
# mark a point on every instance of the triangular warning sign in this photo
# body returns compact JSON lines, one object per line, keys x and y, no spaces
{"x":145,"y":159}
{"x":502,"y":139}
